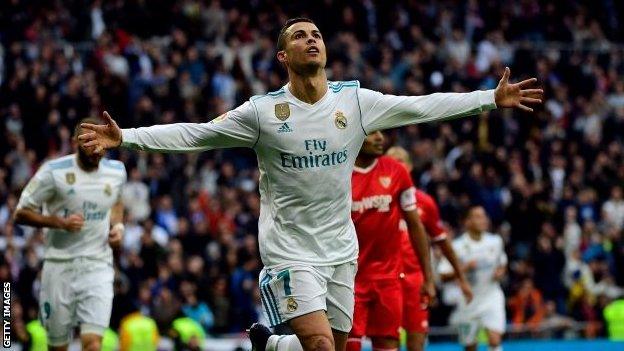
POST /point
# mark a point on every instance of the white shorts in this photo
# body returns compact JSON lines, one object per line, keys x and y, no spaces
{"x":297,"y":290}
{"x":484,"y":311}
{"x":76,"y":292}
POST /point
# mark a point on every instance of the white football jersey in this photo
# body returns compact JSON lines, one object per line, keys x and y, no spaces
{"x":489,"y":253}
{"x":306,"y":153}
{"x":60,"y":187}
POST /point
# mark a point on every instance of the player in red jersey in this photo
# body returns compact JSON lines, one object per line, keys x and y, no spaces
{"x":383,"y":194}
{"x":415,"y":313}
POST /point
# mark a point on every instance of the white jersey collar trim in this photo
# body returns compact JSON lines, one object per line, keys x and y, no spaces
{"x":303,"y":103}
{"x":367,"y":169}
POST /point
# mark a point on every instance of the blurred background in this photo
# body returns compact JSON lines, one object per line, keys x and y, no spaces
{"x":552,"y":181}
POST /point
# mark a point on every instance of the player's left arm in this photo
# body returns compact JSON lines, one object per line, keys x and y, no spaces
{"x":381,"y":111}
{"x":501,"y":269}
{"x":117,"y":228}
{"x":420,"y":244}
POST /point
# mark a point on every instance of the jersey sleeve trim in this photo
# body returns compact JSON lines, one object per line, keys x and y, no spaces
{"x":61,"y":164}
{"x":115,"y":164}
{"x":357,"y":96}
{"x":440,"y":237}
{"x":258,"y":121}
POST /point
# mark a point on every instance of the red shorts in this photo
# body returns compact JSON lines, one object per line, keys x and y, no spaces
{"x":415,"y":317}
{"x":377,"y":309}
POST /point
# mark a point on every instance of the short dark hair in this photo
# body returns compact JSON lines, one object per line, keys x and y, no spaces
{"x":78,"y":128}
{"x":281,"y":40}
{"x":470,"y":210}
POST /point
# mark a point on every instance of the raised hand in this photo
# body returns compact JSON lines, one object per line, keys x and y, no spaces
{"x":101,"y":136}
{"x":517,"y":95}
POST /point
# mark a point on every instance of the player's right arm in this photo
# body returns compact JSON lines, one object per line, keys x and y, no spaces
{"x":447,"y":271}
{"x":448,"y":252}
{"x":236,"y":128}
{"x":39,"y":190}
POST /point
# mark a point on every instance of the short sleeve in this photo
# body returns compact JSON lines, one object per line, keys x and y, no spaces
{"x":39,"y":189}
{"x":407,"y":191}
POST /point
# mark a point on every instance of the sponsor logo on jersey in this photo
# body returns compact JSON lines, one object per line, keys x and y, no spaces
{"x":108,"y":190}
{"x":385,"y":181}
{"x":220,"y":118}
{"x":282,"y":111}
{"x":70,"y":178}
{"x":284,"y":128}
{"x":340,"y":121}
{"x":318,"y":156}
{"x":379,"y":202}
{"x":291,"y":304}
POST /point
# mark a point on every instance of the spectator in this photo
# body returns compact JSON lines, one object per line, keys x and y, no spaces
{"x":527,"y":306}
{"x":613,"y":209}
{"x":135,"y":197}
{"x":195,"y":309}
{"x":550,"y":182}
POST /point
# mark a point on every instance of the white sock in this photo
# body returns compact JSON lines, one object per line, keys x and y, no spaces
{"x":283,"y":343}
{"x":495,"y":348}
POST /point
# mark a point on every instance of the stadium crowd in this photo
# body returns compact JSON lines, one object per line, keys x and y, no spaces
{"x":552,"y":182}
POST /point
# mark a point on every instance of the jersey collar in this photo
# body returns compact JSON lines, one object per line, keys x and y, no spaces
{"x":303,"y":103}
{"x":367,"y":169}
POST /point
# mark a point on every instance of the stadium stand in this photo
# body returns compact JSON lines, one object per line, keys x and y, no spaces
{"x":552,"y":182}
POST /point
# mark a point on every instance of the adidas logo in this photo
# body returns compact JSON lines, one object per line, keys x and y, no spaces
{"x":71,"y":192}
{"x":285,"y":128}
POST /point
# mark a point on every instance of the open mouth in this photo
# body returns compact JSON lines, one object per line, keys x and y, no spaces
{"x":312,"y":50}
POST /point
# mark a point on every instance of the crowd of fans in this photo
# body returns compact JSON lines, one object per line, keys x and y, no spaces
{"x":551,"y":181}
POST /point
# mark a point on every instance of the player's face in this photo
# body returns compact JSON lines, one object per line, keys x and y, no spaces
{"x":305,"y":49}
{"x":87,"y":156}
{"x":399,"y":154}
{"x":478,"y":220}
{"x":373,"y":144}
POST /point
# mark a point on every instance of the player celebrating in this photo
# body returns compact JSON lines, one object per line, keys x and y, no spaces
{"x":415,"y":312}
{"x":306,"y":136}
{"x":77,"y":198}
{"x":383,"y":194}
{"x":483,"y":257}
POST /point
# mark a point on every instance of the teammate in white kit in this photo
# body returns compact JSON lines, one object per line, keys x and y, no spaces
{"x":306,"y":136}
{"x":485,"y":263}
{"x":77,"y":199}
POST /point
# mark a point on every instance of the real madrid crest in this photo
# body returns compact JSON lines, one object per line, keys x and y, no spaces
{"x":70,"y":178}
{"x":108,"y":190}
{"x":291,"y":304}
{"x":341,"y":120}
{"x":282,"y":111}
{"x":385,"y":181}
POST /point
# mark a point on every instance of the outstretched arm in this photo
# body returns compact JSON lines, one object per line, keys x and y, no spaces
{"x":389,"y":111}
{"x":236,"y":128}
